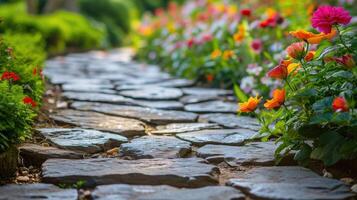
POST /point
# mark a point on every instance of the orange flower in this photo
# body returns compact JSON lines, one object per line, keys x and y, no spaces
{"x":250,"y":105}
{"x":280,"y":71}
{"x":209,"y":77}
{"x":339,"y":104}
{"x":216,"y":53}
{"x":227,"y":54}
{"x":240,"y":35}
{"x":277,"y":100}
{"x":309,"y":56}
{"x":292,"y":67}
{"x":312,"y":38}
{"x":296,"y":50}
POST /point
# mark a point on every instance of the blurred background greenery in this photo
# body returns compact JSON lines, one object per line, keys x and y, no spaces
{"x":74,"y":25}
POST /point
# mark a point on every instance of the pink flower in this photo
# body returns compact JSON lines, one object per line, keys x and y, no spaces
{"x":296,"y":50}
{"x":326,"y":16}
{"x":191,"y":42}
{"x":207,"y":37}
{"x":257,"y":45}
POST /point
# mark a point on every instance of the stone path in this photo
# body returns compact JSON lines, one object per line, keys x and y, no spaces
{"x":133,"y":132}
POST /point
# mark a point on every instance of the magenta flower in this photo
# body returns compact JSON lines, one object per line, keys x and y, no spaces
{"x":326,"y":16}
{"x":257,"y":45}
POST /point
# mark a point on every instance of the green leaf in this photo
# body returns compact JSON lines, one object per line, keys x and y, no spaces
{"x":322,"y":104}
{"x":242,"y":97}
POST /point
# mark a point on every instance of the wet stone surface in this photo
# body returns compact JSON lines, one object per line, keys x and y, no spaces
{"x":122,"y":126}
{"x":155,"y":147}
{"x":33,"y":154}
{"x":130,"y":192}
{"x":212,"y":107}
{"x":289,"y":183}
{"x":219,"y":136}
{"x":36,"y":191}
{"x":83,"y":140}
{"x":256,"y":153}
{"x":232,"y":121}
{"x":175,"y":128}
{"x":181,"y":172}
{"x":153,"y":93}
{"x":149,"y":115}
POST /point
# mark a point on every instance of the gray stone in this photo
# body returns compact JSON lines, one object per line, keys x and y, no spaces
{"x":206,"y":91}
{"x":153,"y":93}
{"x":119,"y":125}
{"x":97,"y":97}
{"x":76,"y":87}
{"x":165,"y":105}
{"x":155,"y":147}
{"x":181,"y":172}
{"x":33,"y":154}
{"x":289,"y":183}
{"x":212,"y":107}
{"x":232,"y":121}
{"x":136,"y":192}
{"x":256,"y":153}
{"x":145,"y":114}
{"x":182,"y":127}
{"x":176,"y":83}
{"x":219,"y":136}
{"x":84,"y":140}
{"x":197,"y":99}
{"x":36,"y":191}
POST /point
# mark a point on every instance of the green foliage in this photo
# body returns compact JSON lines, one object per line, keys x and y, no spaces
{"x":61,"y":31}
{"x":311,"y":122}
{"x":15,"y":116}
{"x":116,"y":15}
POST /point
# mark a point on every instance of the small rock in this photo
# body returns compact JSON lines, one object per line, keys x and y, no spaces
{"x":347,"y":180}
{"x":354,"y":188}
{"x":23,"y":179}
{"x":327,"y":174}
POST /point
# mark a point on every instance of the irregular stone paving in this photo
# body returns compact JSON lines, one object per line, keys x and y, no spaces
{"x":166,"y":119}
{"x":256,"y":153}
{"x":220,"y":136}
{"x":36,"y":191}
{"x":83,"y":140}
{"x":289,"y":183}
{"x":137,"y":192}
{"x":155,"y":147}
{"x":149,"y":115}
{"x":123,"y":126}
{"x":181,"y":172}
{"x":175,"y":128}
{"x":36,"y":154}
{"x":231,"y":121}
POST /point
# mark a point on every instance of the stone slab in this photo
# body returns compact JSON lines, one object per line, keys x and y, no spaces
{"x":136,"y":192}
{"x":212,"y":107}
{"x":182,"y":128}
{"x":206,"y":91}
{"x":289,"y":182}
{"x":181,"y":172}
{"x":155,"y":147}
{"x":122,"y":126}
{"x":197,"y":99}
{"x":232,"y":121}
{"x":83,"y":140}
{"x":153,"y":93}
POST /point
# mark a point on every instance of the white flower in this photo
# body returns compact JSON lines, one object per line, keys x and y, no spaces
{"x":247,"y":84}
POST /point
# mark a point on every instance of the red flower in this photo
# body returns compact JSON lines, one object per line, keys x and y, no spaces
{"x":209,"y":77}
{"x":347,"y":61}
{"x":207,"y":37}
{"x":296,"y":50}
{"x":191,"y":42}
{"x":280,"y":71}
{"x":10,"y":75}
{"x":257,"y":45}
{"x":29,"y":101}
{"x":339,"y":104}
{"x":246,"y":12}
{"x":326,"y":16}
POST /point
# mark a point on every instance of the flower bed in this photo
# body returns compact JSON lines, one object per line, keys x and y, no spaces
{"x":309,"y":85}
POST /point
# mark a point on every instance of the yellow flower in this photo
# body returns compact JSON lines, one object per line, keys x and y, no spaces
{"x":292,"y":67}
{"x":216,"y":53}
{"x":240,"y":35}
{"x":227,"y":54}
{"x":250,"y":105}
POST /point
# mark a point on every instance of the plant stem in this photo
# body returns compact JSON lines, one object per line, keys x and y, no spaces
{"x":342,"y":41}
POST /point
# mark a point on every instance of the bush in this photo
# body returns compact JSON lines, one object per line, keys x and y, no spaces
{"x":21,"y":89}
{"x":61,"y":31}
{"x":117,"y":16}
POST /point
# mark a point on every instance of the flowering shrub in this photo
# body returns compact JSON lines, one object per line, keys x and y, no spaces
{"x":21,"y":88}
{"x":314,"y":113}
{"x":308,"y":87}
{"x":220,"y":43}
